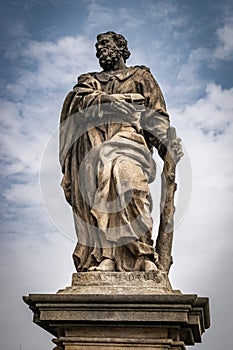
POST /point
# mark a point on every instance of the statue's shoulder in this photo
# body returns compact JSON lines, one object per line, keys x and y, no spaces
{"x":86,"y":76}
{"x":143,"y":68}
{"x":142,"y":72}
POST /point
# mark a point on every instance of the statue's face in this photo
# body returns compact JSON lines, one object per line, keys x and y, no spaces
{"x":107,"y":52}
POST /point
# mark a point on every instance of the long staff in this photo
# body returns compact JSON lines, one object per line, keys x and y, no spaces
{"x":167,"y":208}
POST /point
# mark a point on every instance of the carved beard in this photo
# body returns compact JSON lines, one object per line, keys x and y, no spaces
{"x":108,"y":57}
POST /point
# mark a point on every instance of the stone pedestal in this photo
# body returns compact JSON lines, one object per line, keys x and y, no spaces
{"x":87,"y":316}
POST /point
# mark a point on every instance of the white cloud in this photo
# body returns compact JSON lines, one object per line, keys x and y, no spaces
{"x":30,"y":265}
{"x":206,"y":128}
{"x":203,"y":243}
{"x":224,"y":47}
{"x":27,"y":194}
{"x":36,"y":97}
{"x":213,"y":112}
{"x":20,"y":140}
{"x":28,"y":117}
{"x":52,"y":65}
{"x":188,"y":83}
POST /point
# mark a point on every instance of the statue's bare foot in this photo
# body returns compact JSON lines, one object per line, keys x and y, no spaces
{"x":92,"y":268}
{"x":106,"y":265}
{"x":143,"y":263}
{"x":150,"y":266}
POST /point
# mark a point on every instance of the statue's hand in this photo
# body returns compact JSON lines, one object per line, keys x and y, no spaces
{"x":173,"y":147}
{"x":121,"y":103}
{"x":177,"y":149}
{"x":110,"y":98}
{"x":135,"y":98}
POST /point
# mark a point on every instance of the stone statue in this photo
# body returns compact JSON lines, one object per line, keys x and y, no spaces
{"x":110,"y":123}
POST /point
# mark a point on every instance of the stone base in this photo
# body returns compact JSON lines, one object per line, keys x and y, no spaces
{"x":107,"y":318}
{"x":119,"y":283}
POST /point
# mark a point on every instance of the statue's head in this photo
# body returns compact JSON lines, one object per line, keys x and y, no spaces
{"x":110,"y":47}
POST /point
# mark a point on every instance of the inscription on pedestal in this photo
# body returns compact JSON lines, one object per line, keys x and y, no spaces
{"x":119,"y":282}
{"x":119,"y":278}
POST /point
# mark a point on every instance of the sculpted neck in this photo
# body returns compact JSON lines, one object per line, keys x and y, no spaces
{"x":119,"y":65}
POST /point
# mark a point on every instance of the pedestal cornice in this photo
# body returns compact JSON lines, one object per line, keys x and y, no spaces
{"x":114,"y":321}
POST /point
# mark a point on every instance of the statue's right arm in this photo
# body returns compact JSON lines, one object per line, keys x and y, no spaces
{"x":88,"y":98}
{"x":87,"y":93}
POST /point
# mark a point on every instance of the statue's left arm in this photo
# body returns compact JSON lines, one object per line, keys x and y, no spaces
{"x":155,"y":120}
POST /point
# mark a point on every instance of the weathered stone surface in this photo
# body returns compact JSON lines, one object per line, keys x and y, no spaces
{"x":119,"y":283}
{"x":114,"y":322}
{"x":110,"y":123}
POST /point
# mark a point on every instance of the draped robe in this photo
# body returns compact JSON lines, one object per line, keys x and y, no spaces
{"x":107,"y":163}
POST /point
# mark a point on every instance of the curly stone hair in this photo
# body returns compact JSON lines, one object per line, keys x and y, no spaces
{"x":120,"y":41}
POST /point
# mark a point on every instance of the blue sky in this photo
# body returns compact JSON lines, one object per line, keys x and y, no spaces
{"x":45,"y":45}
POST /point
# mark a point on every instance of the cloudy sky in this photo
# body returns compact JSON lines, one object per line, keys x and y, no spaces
{"x":45,"y":45}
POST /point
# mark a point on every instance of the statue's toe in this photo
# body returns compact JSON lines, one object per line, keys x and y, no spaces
{"x":92,"y":268}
